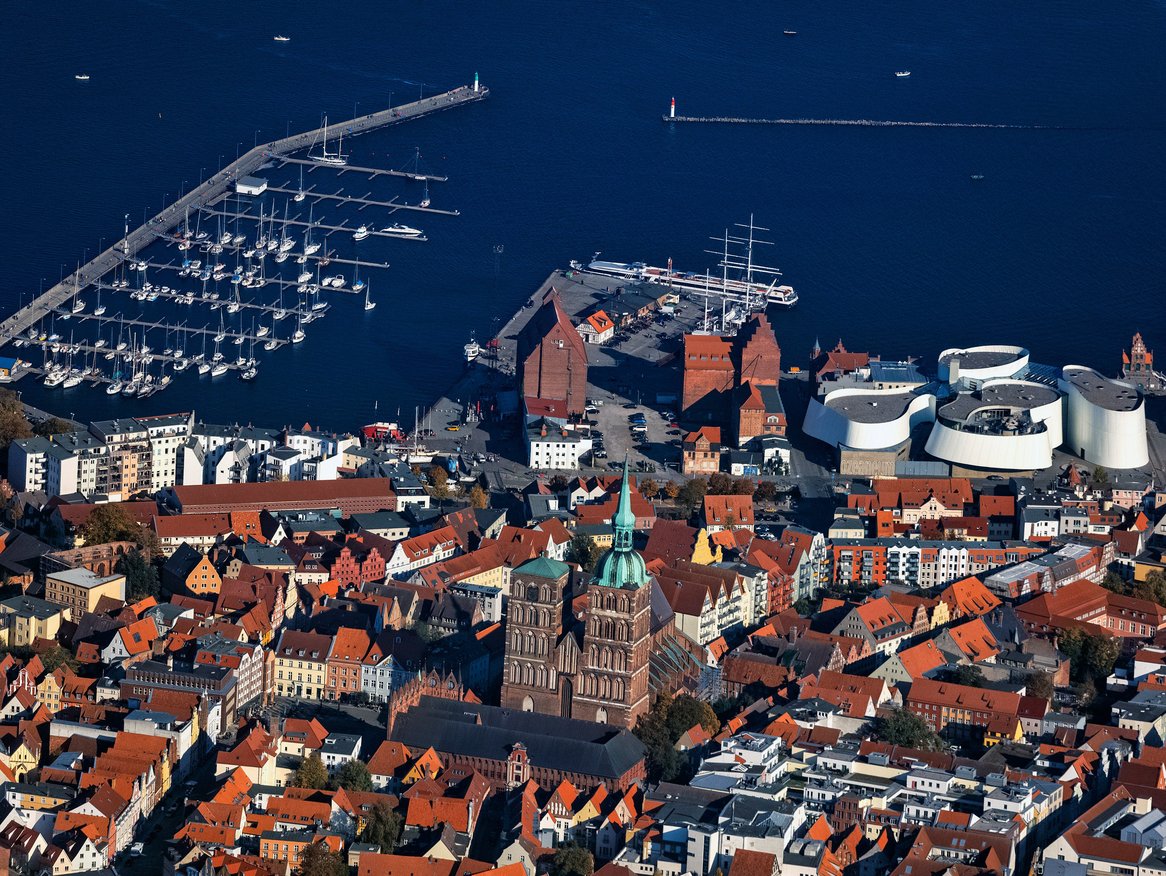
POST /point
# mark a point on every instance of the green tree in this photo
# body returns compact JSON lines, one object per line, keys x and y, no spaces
{"x":1100,"y":477}
{"x":1091,"y":655}
{"x":479,"y":498}
{"x":685,"y":712}
{"x":382,"y":827}
{"x":438,"y":482}
{"x":141,"y":576}
{"x":766,"y":491}
{"x":969,"y":675}
{"x":584,"y":551}
{"x":693,"y":492}
{"x":57,"y":656}
{"x":1040,"y":684}
{"x":649,"y":489}
{"x":1115,"y":582}
{"x":310,"y":773}
{"x":720,"y":484}
{"x":1152,"y":588}
{"x":13,"y":424}
{"x":744,"y":487}
{"x":572,"y":860}
{"x":319,"y":860}
{"x":904,"y":728}
{"x":353,"y":776}
{"x":110,"y":522}
{"x":52,"y":426}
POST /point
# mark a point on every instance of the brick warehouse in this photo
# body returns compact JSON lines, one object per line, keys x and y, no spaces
{"x":552,"y":357}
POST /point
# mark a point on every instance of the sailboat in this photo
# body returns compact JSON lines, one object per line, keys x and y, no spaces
{"x":99,"y":310}
{"x":425,"y":198}
{"x":300,"y":195}
{"x":337,"y":158}
{"x":298,"y":335}
{"x":369,"y":304}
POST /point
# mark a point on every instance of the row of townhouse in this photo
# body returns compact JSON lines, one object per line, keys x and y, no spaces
{"x":120,"y":457}
{"x":873,"y":562}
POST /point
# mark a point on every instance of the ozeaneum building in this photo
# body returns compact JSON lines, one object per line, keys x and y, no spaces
{"x":1010,"y":425}
{"x":1106,"y":419}
{"x":991,"y":409}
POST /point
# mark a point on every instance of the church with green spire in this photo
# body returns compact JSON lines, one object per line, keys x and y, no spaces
{"x":622,"y":566}
{"x":593,"y":667}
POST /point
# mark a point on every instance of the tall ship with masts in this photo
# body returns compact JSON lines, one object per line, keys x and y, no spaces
{"x":739,"y":280}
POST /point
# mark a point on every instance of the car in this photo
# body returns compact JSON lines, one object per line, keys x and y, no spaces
{"x":136,"y":849}
{"x":453,"y":428}
{"x":638,"y":419}
{"x":630,"y":406}
{"x":600,"y":454}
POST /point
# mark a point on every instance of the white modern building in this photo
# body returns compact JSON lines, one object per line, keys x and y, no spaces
{"x":1106,"y":419}
{"x":1004,"y":425}
{"x":868,"y":419}
{"x":974,"y":365}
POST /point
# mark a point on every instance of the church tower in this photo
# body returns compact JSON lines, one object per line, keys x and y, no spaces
{"x":539,"y":661}
{"x":613,"y":666}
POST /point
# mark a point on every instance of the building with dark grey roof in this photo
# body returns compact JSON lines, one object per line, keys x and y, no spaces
{"x":509,"y":747}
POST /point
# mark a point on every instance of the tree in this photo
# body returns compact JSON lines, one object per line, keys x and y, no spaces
{"x":720,"y":484}
{"x":686,"y":712}
{"x":584,"y":551}
{"x":353,"y":776}
{"x":110,"y":522}
{"x":649,"y":489}
{"x":1115,"y":582}
{"x":1100,"y":477}
{"x":479,"y":498}
{"x":558,"y":483}
{"x":572,"y":860}
{"x":969,"y":675}
{"x":13,"y":424}
{"x":744,"y":487}
{"x":671,"y":489}
{"x":310,"y":773}
{"x":766,"y":491}
{"x":1091,"y":655}
{"x":1152,"y":588}
{"x":52,"y":426}
{"x":319,"y":860}
{"x":438,"y":482}
{"x":382,"y":827}
{"x":58,"y":656}
{"x":693,"y":492}
{"x":141,"y":577}
{"x":909,"y":730}
{"x":1040,"y":684}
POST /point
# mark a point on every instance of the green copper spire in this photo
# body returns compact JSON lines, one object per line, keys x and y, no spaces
{"x":622,"y":566}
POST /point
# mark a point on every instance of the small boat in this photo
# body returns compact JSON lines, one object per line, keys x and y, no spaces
{"x":977,"y":176}
{"x":114,"y":388}
{"x":338,"y":282}
{"x":369,"y":304}
{"x":403,"y":230}
{"x":790,"y":32}
{"x":219,"y":369}
{"x":360,"y":233}
{"x":903,"y":74}
{"x":472,"y":350}
{"x":249,"y":374}
{"x":280,"y":38}
{"x":298,"y":336}
{"x":262,"y":331}
{"x":74,"y":379}
{"x":271,"y":345}
{"x":203,"y":368}
{"x":78,"y":305}
{"x":82,"y":77}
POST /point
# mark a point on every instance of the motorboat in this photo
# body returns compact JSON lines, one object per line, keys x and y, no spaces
{"x":472,"y":350}
{"x":280,"y":38}
{"x":402,"y":230}
{"x":902,"y":74}
{"x":361,"y":233}
{"x":81,"y":77}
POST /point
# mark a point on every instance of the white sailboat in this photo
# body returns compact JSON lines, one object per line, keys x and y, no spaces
{"x":369,"y":304}
{"x":337,"y":158}
{"x":301,"y":194}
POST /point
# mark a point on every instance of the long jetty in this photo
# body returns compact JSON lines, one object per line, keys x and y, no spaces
{"x":853,"y":123}
{"x":214,"y":187}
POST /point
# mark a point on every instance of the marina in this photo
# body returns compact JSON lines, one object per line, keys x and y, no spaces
{"x":222,"y":268}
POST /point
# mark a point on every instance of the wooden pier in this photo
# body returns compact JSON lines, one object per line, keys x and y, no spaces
{"x":214,"y":187}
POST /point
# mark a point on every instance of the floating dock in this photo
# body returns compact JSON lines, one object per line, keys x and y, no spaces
{"x":215,"y":187}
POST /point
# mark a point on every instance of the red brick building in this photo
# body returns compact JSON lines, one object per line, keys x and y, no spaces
{"x":355,"y":563}
{"x":552,"y":357}
{"x":348,"y":496}
{"x":957,"y":708}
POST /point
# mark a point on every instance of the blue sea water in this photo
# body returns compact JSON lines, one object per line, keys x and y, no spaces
{"x":890,"y":244}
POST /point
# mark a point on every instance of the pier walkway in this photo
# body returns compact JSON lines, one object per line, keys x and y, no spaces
{"x":371,"y":171}
{"x":850,"y":123}
{"x":214,"y":187}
